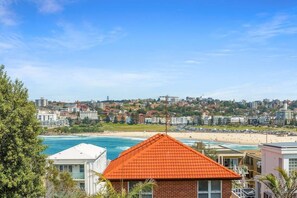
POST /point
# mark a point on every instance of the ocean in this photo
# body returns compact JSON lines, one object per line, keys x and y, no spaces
{"x":115,"y":145}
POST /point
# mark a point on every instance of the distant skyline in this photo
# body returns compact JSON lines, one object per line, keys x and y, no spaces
{"x":81,"y":49}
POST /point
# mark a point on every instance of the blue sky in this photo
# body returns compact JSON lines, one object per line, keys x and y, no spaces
{"x":84,"y":49}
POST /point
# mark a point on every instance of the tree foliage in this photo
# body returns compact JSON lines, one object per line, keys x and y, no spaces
{"x":282,"y":186}
{"x":22,"y":163}
{"x":60,"y":184}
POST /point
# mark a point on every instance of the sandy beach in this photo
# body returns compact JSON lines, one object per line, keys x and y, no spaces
{"x":239,"y":138}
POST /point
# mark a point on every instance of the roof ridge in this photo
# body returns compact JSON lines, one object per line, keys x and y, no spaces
{"x":140,"y":145}
{"x":204,"y":156}
{"x":143,"y":144}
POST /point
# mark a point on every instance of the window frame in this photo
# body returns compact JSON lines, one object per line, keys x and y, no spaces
{"x":141,"y":192}
{"x":291,"y":162}
{"x":209,"y":191}
{"x":81,"y":168}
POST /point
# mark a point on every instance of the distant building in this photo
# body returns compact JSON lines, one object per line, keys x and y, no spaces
{"x":80,"y":161}
{"x":254,"y":105}
{"x":284,"y":116}
{"x":237,"y":120}
{"x":264,"y":120}
{"x":253,"y":121}
{"x":217,"y":120}
{"x":41,"y":102}
{"x":51,"y":119}
{"x":148,"y":120}
{"x":91,"y":115}
{"x":141,"y":118}
{"x":181,"y":120}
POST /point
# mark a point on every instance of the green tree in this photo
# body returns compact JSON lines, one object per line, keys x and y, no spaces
{"x":107,"y":119}
{"x":115,"y":120}
{"x":60,"y":184}
{"x":108,"y":190}
{"x":22,"y":164}
{"x":282,"y":186}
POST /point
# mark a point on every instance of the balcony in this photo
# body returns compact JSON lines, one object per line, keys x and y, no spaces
{"x":243,"y":193}
{"x":78,"y":175}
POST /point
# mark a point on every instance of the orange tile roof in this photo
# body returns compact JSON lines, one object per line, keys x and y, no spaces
{"x":163,"y":157}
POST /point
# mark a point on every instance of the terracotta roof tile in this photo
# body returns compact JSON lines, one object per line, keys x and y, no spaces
{"x":163,"y":157}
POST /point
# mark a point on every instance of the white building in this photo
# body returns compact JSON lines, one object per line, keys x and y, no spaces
{"x":148,"y":120}
{"x":41,"y":102}
{"x":274,"y":155}
{"x":181,"y":120}
{"x":237,"y":120}
{"x":92,"y":115}
{"x":81,"y":161}
{"x":51,"y":119}
{"x":46,"y":116}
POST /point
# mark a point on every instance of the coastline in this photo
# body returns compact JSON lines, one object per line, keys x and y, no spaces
{"x":238,"y":138}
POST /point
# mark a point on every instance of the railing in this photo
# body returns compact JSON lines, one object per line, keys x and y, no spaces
{"x":243,"y":193}
{"x":78,"y":175}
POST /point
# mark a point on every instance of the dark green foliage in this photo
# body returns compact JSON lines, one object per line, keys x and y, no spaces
{"x":115,"y":120}
{"x":21,"y":163}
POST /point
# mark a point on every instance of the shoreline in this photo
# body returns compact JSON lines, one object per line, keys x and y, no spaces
{"x":237,"y":138}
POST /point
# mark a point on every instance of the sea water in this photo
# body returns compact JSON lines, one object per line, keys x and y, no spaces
{"x":115,"y":145}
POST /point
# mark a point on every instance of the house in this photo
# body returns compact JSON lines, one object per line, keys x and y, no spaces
{"x":51,"y":119}
{"x":228,"y":157}
{"x":253,"y":162}
{"x":92,"y":115}
{"x":81,"y":161}
{"x":274,"y":155}
{"x":179,"y":170}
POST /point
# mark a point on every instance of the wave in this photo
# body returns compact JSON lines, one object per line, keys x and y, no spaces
{"x":123,"y":148}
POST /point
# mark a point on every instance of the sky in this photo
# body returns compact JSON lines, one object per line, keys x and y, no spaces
{"x":67,"y":50}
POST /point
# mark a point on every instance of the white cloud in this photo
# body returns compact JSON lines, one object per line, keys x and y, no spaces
{"x":50,"y":6}
{"x":72,"y":37}
{"x":194,"y":62}
{"x":278,"y":25}
{"x":10,"y":41}
{"x":7,"y":16}
{"x":257,"y":91}
{"x":73,"y":82}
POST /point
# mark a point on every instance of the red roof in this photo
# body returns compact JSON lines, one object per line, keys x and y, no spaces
{"x":163,"y":157}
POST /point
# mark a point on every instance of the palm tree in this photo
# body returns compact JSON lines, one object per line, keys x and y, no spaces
{"x":108,"y":191}
{"x":283,"y":186}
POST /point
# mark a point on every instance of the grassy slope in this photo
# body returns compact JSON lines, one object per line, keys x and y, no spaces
{"x":136,"y":127}
{"x":161,"y":128}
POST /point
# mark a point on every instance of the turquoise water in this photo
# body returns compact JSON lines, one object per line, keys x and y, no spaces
{"x":114,"y":145}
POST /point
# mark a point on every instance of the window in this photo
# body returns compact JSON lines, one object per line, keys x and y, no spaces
{"x":209,"y":189}
{"x":148,"y":193}
{"x":292,"y":165}
{"x":66,"y":168}
{"x":82,"y":186}
{"x":81,"y":168}
{"x":267,"y":195}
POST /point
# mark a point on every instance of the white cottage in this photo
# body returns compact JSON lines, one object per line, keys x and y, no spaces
{"x":80,"y":161}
